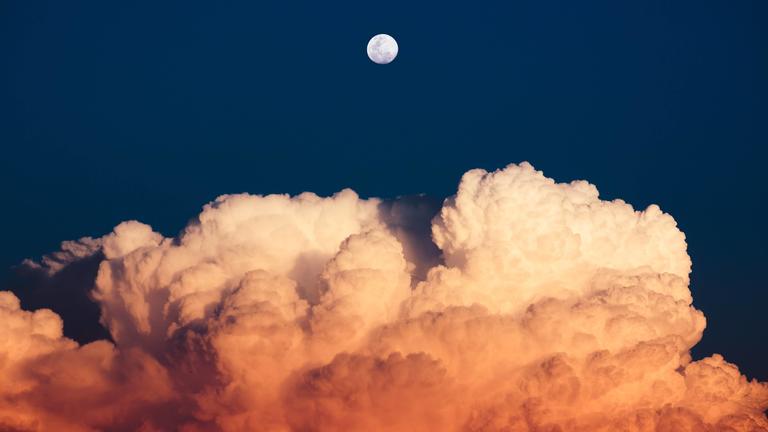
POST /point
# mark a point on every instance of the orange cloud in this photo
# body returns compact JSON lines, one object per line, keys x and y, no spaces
{"x":547,"y":309}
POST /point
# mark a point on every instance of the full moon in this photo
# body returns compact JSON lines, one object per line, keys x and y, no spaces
{"x":382,"y":49}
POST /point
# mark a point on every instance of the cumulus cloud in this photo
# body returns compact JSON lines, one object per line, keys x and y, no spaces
{"x":71,"y":252}
{"x":525,"y":305}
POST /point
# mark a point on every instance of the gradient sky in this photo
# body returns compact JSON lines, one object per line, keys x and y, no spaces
{"x":112,"y":111}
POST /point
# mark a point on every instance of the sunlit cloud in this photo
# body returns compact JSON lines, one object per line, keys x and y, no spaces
{"x":530,"y":306}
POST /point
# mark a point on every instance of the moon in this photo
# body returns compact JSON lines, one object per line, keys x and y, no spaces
{"x":382,"y":49}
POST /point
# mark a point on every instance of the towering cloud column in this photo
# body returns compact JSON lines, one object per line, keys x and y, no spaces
{"x":541,"y":308}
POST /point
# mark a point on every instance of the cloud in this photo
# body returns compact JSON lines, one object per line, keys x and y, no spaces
{"x":64,"y":280}
{"x":530,"y":306}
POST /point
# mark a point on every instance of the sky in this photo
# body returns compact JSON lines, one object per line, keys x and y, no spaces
{"x":148,"y":110}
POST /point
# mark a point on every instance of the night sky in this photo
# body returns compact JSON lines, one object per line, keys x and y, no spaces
{"x":112,"y":111}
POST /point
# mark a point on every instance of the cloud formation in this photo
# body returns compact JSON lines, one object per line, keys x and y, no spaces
{"x":541,"y":308}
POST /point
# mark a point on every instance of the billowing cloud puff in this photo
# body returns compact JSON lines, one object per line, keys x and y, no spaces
{"x":531,"y":306}
{"x":50,"y":383}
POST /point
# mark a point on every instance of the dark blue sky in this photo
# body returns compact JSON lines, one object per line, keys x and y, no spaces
{"x":146,"y":110}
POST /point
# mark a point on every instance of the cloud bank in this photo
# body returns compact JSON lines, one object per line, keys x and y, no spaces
{"x":530,"y":306}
